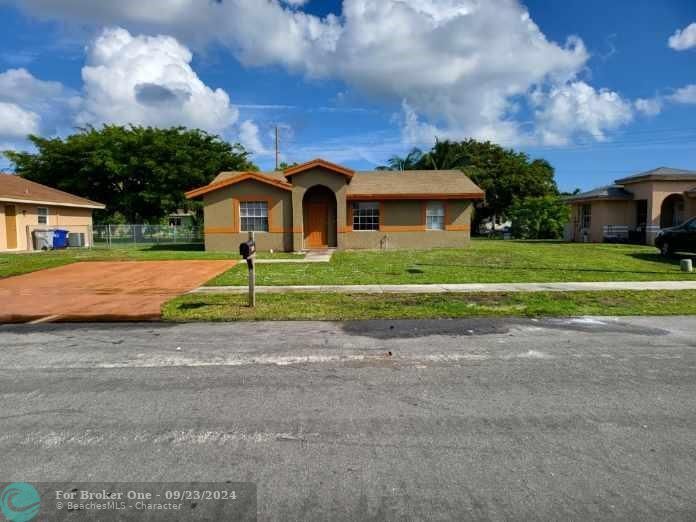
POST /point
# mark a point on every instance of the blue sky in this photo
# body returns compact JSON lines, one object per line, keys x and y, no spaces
{"x":597,"y":88}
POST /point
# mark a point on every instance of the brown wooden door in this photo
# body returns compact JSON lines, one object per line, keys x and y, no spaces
{"x":317,"y":225}
{"x":11,"y":226}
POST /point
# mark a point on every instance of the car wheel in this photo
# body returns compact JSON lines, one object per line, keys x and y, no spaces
{"x":666,"y":249}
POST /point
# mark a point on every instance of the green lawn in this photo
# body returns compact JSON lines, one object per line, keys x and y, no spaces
{"x":483,"y":261}
{"x":21,"y":263}
{"x":336,"y":307}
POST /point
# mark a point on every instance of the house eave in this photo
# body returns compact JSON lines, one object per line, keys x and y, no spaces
{"x":191,"y":194}
{"x":418,"y":196}
{"x":94,"y":206}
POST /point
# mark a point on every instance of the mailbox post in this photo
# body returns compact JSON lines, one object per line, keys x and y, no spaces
{"x":248,"y":251}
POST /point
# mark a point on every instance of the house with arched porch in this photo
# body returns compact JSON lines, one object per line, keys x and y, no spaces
{"x":323,"y":205}
{"x":635,"y":208}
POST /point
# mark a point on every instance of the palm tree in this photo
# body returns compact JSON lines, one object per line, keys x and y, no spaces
{"x":445,"y":155}
{"x":410,"y":162}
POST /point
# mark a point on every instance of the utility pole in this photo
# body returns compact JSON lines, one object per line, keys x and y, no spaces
{"x":277,"y":148}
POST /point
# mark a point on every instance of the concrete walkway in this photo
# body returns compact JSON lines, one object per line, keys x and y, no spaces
{"x":312,"y":256}
{"x":457,"y":288}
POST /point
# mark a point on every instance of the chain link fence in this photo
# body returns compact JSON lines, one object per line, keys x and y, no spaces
{"x":108,"y":236}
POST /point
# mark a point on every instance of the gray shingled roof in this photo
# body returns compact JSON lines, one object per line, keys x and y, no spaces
{"x":607,"y":192}
{"x":661,"y":173}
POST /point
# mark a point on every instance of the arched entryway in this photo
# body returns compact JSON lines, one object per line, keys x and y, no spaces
{"x":672,"y":212}
{"x":319,"y":216}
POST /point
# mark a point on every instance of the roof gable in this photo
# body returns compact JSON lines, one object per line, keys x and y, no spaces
{"x":237,"y":178}
{"x":319,"y":163}
{"x":16,"y":189}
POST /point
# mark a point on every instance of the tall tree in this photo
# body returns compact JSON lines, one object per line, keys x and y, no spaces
{"x":503,"y":173}
{"x":139,"y":173}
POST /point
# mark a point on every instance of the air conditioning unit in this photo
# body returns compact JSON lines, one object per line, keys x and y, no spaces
{"x":76,"y":239}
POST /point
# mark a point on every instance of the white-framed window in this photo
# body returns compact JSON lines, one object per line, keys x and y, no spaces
{"x":253,"y":216}
{"x":435,"y":215}
{"x":42,"y":213}
{"x":366,"y":215}
{"x":586,"y":216}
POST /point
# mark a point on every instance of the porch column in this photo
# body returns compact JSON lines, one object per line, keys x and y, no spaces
{"x":297,"y":219}
{"x":654,"y":213}
{"x":341,"y":213}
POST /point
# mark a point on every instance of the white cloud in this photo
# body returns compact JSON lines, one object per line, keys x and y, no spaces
{"x":683,"y":39}
{"x":461,"y":66}
{"x":16,"y":122}
{"x":685,"y":95}
{"x":19,"y":85}
{"x":578,"y":109}
{"x":249,"y":137}
{"x":34,"y":105}
{"x":649,"y":106}
{"x":148,"y":80}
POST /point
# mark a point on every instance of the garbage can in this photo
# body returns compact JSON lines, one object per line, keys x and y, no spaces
{"x":60,"y":238}
{"x":43,"y":239}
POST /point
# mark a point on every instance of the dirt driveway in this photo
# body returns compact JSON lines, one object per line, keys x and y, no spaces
{"x":107,"y":291}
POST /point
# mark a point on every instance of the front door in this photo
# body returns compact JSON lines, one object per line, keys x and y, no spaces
{"x":11,"y":226}
{"x":317,"y":225}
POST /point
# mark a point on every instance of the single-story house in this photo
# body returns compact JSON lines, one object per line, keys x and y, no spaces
{"x":323,"y":205}
{"x":26,"y":206}
{"x":634,"y":208}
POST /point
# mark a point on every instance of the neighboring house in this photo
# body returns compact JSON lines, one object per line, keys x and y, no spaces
{"x":635,"y":208}
{"x":26,"y":206}
{"x":319,"y":204}
{"x":181,"y":218}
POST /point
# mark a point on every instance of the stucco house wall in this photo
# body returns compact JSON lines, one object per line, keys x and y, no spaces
{"x":221,"y":217}
{"x":76,"y":220}
{"x":318,"y":184}
{"x":657,"y":193}
{"x":403,"y":227}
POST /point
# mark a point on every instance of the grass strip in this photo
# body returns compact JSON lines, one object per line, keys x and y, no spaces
{"x":337,"y":307}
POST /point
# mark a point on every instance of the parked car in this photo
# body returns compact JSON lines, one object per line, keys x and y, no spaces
{"x":679,"y":238}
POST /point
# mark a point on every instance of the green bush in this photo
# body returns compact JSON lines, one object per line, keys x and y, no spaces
{"x":541,"y":217}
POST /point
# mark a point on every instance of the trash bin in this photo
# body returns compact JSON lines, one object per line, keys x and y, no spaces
{"x":43,"y":239}
{"x":60,"y":238}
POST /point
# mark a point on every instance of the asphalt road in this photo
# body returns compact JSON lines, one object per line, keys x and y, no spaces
{"x":466,"y":419}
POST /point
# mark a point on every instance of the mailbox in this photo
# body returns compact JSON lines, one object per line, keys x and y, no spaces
{"x":247,"y":249}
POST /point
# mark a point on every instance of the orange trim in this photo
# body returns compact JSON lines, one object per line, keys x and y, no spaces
{"x":235,"y":215}
{"x":346,"y":230}
{"x":319,"y":163}
{"x":458,"y":228}
{"x":403,"y":228}
{"x":232,"y":181}
{"x":220,"y":230}
{"x":233,"y":230}
{"x":378,"y":197}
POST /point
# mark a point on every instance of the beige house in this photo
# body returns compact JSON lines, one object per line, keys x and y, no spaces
{"x":634,"y":208}
{"x":322,"y":205}
{"x":26,"y":206}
